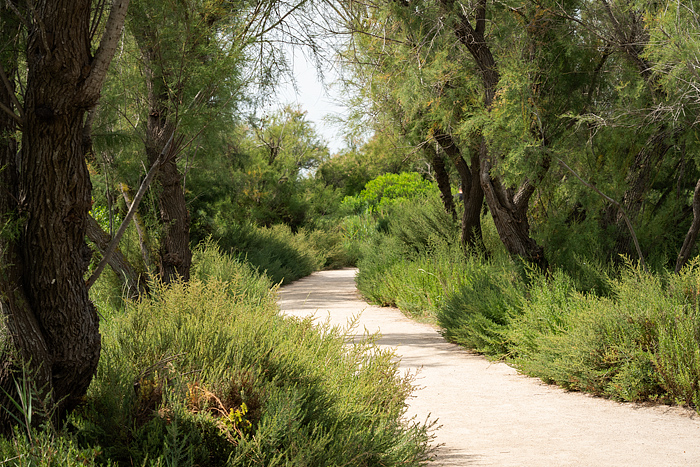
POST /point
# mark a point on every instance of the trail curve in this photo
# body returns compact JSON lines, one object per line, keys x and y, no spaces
{"x":490,"y":415}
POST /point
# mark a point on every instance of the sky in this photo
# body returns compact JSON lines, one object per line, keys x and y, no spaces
{"x":314,"y":99}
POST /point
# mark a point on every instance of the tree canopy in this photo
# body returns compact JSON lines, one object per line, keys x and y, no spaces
{"x":569,"y":126}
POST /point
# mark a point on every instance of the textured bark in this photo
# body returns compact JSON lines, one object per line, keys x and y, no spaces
{"x":175,"y":255}
{"x":52,"y":323}
{"x":692,"y":235}
{"x":509,"y":212}
{"x":443,"y":180}
{"x":472,"y":194}
{"x":508,"y":206}
{"x":55,"y":191}
{"x":22,"y":327}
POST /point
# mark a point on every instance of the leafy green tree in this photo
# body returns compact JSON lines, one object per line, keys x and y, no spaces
{"x":264,"y":179}
{"x":46,"y":196}
{"x":495,"y":101}
{"x":192,"y":65}
{"x":671,"y":53}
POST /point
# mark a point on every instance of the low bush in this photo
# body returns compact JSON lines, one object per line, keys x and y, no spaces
{"x":623,"y":333}
{"x":478,"y":312}
{"x":277,"y":251}
{"x":209,"y":373}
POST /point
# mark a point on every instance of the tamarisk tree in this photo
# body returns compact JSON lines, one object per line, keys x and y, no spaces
{"x":46,"y":192}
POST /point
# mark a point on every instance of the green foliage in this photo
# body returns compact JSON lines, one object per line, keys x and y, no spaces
{"x":422,"y":225}
{"x":386,"y":190}
{"x":276,"y":251}
{"x":209,"y":263}
{"x":478,"y":313}
{"x":46,"y":449}
{"x":207,"y":373}
{"x":407,"y":231}
{"x":621,"y":333}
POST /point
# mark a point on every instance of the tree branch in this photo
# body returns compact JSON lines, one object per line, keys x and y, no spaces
{"x":14,"y":116}
{"x":105,"y":52}
{"x":11,"y":92}
{"x":165,"y":153}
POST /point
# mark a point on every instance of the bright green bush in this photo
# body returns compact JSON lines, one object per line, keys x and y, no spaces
{"x":198,"y":352}
{"x":385,"y":190}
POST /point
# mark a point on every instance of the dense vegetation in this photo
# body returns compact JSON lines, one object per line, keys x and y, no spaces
{"x":523,"y":173}
{"x":208,"y":373}
{"x":615,"y":330}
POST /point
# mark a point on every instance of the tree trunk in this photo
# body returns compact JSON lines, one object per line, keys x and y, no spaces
{"x":52,"y":323}
{"x":472,"y":194}
{"x":692,"y":235}
{"x":509,"y":212}
{"x":443,"y":180}
{"x":507,"y":206}
{"x":175,"y":254}
{"x":24,"y":332}
{"x":55,"y":191}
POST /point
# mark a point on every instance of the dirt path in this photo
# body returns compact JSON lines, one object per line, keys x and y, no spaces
{"x":490,"y":414}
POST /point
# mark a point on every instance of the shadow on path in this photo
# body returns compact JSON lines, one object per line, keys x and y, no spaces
{"x":491,"y":415}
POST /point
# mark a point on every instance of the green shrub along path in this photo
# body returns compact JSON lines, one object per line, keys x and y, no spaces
{"x":488,"y":413}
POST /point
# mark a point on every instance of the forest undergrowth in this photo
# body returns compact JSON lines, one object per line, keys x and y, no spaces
{"x":614,"y":329}
{"x":208,"y":373}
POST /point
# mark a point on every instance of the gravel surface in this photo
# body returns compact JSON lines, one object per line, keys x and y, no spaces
{"x":488,"y":413}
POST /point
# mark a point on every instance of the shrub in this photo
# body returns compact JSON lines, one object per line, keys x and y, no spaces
{"x":385,"y":190}
{"x":641,"y":343}
{"x":423,"y":225}
{"x":283,"y":255}
{"x":478,"y":313}
{"x":45,"y":449}
{"x":208,"y":373}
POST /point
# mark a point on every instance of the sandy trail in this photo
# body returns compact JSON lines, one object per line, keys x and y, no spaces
{"x":491,"y":415}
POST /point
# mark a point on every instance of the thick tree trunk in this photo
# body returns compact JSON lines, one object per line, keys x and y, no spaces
{"x":55,"y":191}
{"x":23,"y":329}
{"x":175,"y":253}
{"x":53,"y":325}
{"x":509,"y":212}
